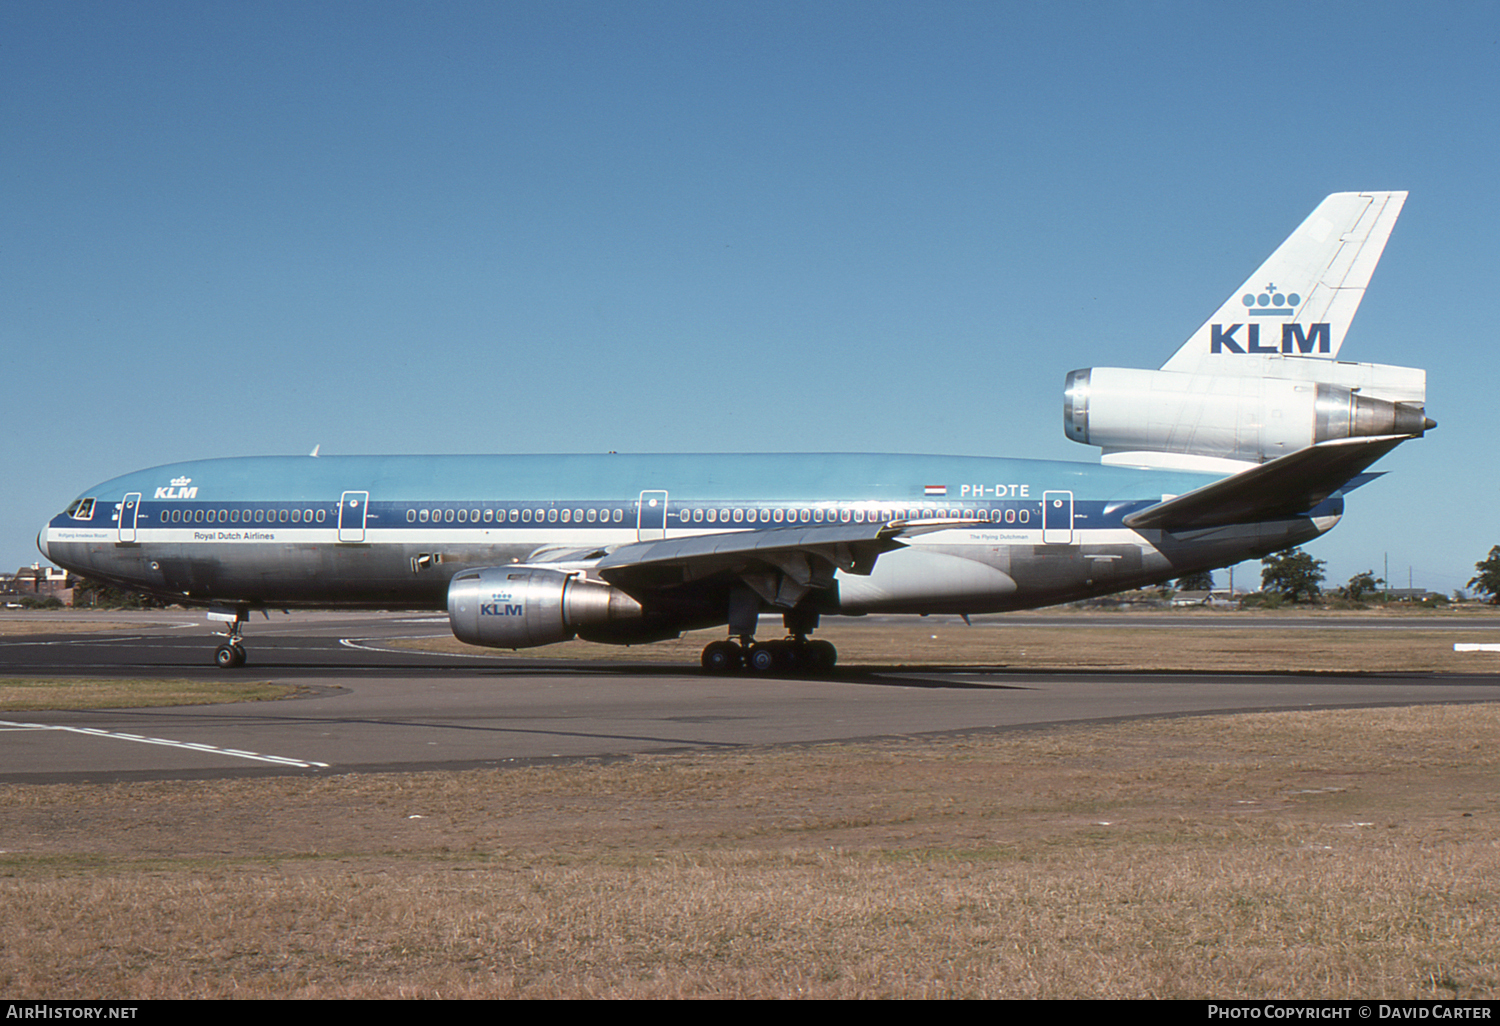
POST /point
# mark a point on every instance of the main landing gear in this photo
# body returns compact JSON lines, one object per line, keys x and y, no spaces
{"x":767,"y":658}
{"x":232,"y":652}
{"x":795,"y":654}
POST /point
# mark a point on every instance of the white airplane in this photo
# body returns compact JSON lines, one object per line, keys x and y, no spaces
{"x":1242,"y":444}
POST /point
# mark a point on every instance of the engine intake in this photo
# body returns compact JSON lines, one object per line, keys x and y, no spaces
{"x":525,"y":606}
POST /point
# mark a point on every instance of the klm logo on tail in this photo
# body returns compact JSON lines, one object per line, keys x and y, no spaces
{"x":1311,"y":286}
{"x":1316,"y":338}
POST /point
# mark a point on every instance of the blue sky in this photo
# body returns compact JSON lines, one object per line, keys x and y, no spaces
{"x":239,"y":229}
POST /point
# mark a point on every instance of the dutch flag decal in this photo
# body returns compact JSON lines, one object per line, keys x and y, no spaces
{"x":935,"y":490}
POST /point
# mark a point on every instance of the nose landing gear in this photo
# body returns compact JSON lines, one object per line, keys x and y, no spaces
{"x":231,"y":653}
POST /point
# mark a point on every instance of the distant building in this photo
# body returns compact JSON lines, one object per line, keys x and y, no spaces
{"x":1219,"y":598}
{"x":37,"y":582}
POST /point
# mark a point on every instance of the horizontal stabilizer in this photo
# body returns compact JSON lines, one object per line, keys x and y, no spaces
{"x":1360,"y":480}
{"x":1286,"y":487}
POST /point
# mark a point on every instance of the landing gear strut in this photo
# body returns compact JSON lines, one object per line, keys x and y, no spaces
{"x":794,"y":654}
{"x":231,"y":653}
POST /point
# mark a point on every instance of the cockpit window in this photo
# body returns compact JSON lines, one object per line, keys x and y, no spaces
{"x":81,"y":509}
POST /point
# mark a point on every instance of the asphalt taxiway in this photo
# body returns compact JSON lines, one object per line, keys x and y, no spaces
{"x":364,"y":707}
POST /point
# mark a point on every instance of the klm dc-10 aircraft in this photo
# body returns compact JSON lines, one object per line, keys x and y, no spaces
{"x":1243,"y":443}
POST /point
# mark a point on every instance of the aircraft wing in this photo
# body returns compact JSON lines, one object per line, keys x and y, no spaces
{"x":1285,"y":487}
{"x":781,"y":564}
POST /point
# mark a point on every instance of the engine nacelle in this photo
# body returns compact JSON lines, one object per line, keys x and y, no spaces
{"x":1239,"y":417}
{"x":524,"y":606}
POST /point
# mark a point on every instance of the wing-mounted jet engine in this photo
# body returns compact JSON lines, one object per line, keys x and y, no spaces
{"x":527,"y":606}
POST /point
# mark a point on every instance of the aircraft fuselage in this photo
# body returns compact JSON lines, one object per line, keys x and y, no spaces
{"x":391,"y":531}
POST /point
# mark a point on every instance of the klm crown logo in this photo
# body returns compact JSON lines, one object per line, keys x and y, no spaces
{"x":1271,"y":303}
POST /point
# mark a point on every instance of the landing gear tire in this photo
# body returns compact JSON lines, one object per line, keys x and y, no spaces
{"x":227,"y":657}
{"x":765,"y":658}
{"x":820,"y":656}
{"x":723,"y":657}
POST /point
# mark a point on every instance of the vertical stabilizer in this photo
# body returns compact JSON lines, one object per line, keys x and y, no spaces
{"x":1302,"y":300}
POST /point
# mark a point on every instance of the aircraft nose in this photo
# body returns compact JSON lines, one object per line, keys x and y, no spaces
{"x":41,"y":543}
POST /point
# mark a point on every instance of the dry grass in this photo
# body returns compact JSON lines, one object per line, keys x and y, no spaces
{"x":1214,"y":644}
{"x":56,"y":623}
{"x":31,"y":694}
{"x":1327,"y":854}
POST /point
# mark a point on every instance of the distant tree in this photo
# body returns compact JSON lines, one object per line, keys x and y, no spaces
{"x":1487,"y":580}
{"x":1203,"y":580}
{"x":1292,"y":573}
{"x":1361,"y":584}
{"x":89,"y":592}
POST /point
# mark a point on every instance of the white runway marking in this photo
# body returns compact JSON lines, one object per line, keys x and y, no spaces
{"x":235,"y":753}
{"x":359,"y":643}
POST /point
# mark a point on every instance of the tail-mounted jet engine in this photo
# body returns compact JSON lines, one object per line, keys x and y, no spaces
{"x":524,"y":606}
{"x":1238,"y":417}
